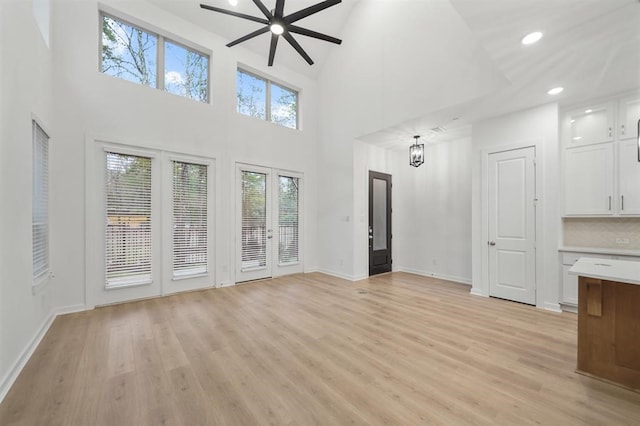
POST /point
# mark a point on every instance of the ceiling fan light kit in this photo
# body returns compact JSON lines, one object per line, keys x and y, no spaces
{"x":278,"y":24}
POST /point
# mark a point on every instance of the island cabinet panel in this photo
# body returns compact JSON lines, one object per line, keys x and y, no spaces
{"x":609,"y":331}
{"x":628,"y":327}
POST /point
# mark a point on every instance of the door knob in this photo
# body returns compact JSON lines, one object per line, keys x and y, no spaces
{"x":492,"y":243}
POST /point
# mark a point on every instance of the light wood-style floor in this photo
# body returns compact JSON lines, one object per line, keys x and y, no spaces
{"x":313,"y":349}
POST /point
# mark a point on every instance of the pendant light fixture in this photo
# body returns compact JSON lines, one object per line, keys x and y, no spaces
{"x":416,"y":153}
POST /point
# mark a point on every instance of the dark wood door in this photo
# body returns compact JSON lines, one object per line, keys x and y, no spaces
{"x":379,"y":223}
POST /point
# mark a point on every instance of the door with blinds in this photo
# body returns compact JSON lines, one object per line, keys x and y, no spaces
{"x":269,"y":225}
{"x":149,"y":224}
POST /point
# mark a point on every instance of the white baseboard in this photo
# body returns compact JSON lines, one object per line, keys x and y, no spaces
{"x":71,"y":309}
{"x":337,"y":274}
{"x":27,"y":352}
{"x":476,"y":292}
{"x":22,"y":360}
{"x":555,"y":307}
{"x":459,"y":280}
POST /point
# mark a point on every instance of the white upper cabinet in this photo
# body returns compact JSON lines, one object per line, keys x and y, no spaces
{"x":589,"y":180}
{"x":629,"y":172}
{"x":589,"y":125}
{"x":628,"y":117}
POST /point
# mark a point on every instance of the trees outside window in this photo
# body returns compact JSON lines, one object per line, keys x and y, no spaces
{"x":261,"y":98}
{"x":132,"y":53}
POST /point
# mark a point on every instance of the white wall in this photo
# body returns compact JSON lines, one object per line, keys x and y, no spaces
{"x":540,"y":126}
{"x":25,"y":89}
{"x":369,"y":158}
{"x":382,"y":76}
{"x":432,"y":212}
{"x":91,"y":103}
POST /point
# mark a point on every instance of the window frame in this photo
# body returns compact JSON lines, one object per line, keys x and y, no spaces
{"x":161,"y":37}
{"x":37,"y":281}
{"x":268,"y":82}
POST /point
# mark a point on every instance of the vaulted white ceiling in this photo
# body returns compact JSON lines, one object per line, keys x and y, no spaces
{"x":590,"y":47}
{"x":329,"y":21}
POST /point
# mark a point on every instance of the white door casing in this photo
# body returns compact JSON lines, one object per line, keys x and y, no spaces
{"x":511,"y":227}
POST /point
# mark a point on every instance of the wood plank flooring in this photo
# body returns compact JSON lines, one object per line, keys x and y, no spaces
{"x":313,"y":349}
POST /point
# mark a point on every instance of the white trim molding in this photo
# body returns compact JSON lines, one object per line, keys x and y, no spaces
{"x":10,"y":378}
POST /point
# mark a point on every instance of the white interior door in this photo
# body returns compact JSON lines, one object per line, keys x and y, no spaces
{"x":512,"y":225}
{"x":269,"y":223}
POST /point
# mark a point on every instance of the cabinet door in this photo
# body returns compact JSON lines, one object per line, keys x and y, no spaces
{"x":569,"y":286}
{"x":589,"y":125}
{"x":629,"y":112}
{"x":629,"y":170}
{"x":588,"y":180}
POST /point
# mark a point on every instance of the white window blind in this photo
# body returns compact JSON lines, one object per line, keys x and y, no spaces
{"x":190,"y":255}
{"x":288,"y":220}
{"x":40,"y":202}
{"x":128,"y":220}
{"x":254,"y":220}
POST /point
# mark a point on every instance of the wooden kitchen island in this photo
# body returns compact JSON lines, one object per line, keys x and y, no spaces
{"x":609,"y":320}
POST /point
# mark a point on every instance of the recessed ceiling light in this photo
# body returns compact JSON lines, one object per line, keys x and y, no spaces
{"x":555,"y":90}
{"x":577,"y":138}
{"x":233,"y":2}
{"x":589,"y":111}
{"x":531,"y":38}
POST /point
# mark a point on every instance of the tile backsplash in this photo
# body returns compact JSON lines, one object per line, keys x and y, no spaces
{"x":615,"y":233}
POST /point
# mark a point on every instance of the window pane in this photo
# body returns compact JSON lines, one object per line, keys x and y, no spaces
{"x":189,"y":219}
{"x":284,"y":106}
{"x":252,"y":95}
{"x":40,"y":202}
{"x":288,"y":216}
{"x":254,"y":220}
{"x":185,"y":72}
{"x":128,"y":220}
{"x":128,"y":52}
{"x":379,"y":214}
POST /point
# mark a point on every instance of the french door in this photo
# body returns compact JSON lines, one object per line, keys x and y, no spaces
{"x":268,"y":222}
{"x":150,"y":223}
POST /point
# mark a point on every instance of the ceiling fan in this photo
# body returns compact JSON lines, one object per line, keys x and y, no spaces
{"x":281,"y":25}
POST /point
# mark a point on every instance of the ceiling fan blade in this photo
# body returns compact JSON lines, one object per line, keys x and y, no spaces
{"x":296,"y":16}
{"x":263,"y":9}
{"x":249,"y":36}
{"x":292,"y":41}
{"x":236,"y":14}
{"x":314,"y":34}
{"x":272,"y":50}
{"x":279,"y":8}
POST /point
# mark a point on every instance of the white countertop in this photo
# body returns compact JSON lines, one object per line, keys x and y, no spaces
{"x":616,"y":252}
{"x":624,"y":271}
